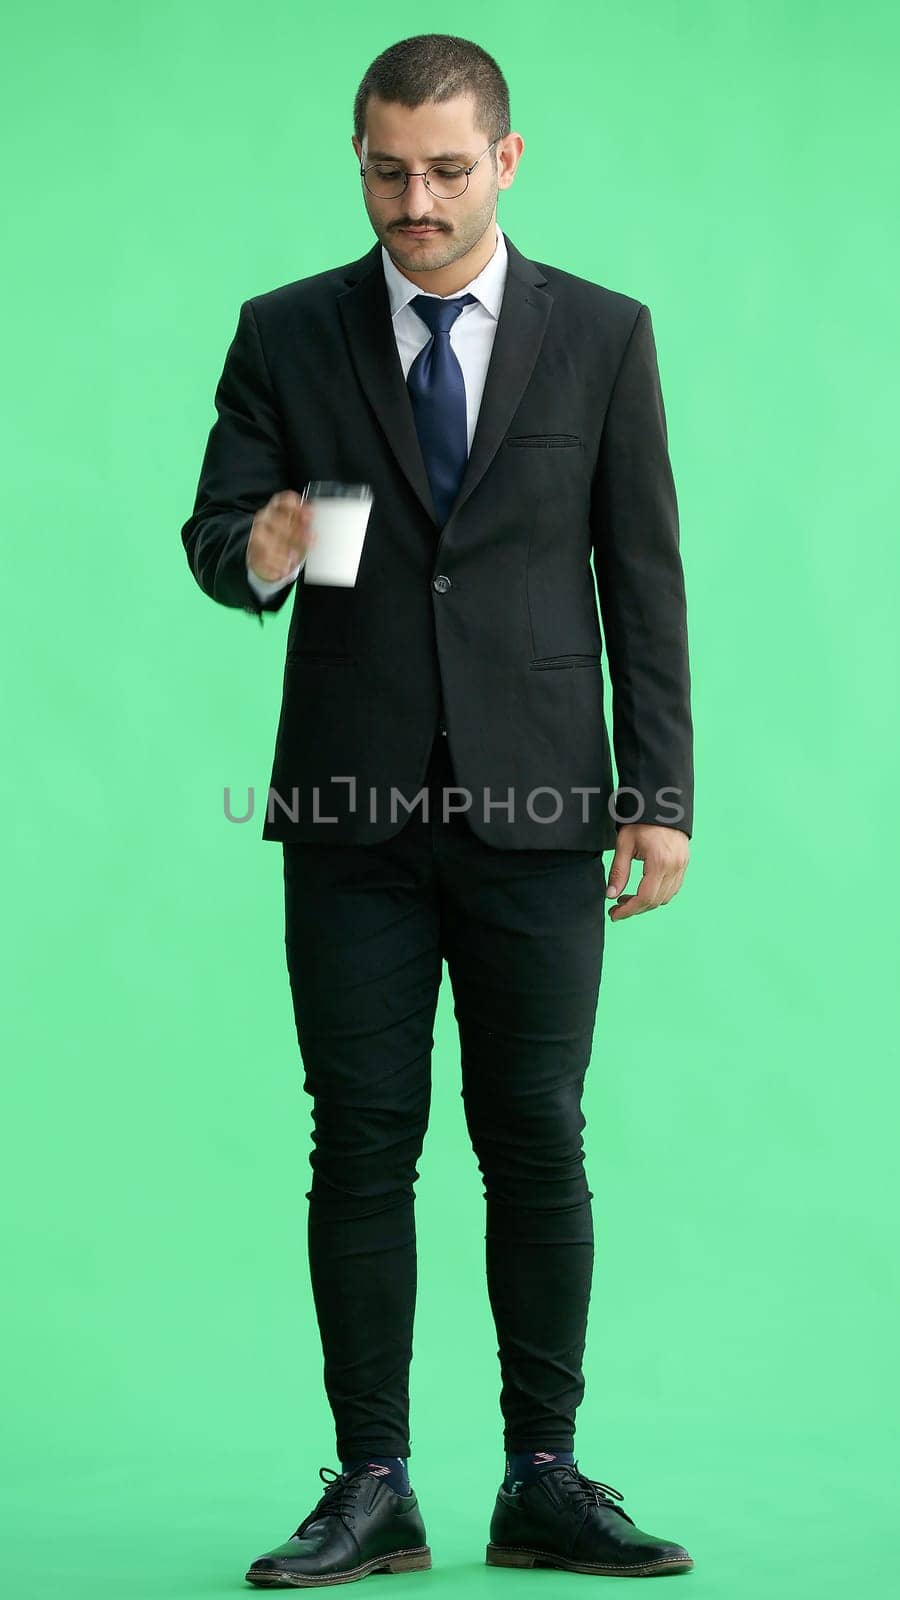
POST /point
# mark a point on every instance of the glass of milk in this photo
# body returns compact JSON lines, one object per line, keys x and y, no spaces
{"x":340,"y":515}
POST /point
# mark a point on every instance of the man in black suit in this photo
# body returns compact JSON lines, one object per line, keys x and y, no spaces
{"x":442,"y":783}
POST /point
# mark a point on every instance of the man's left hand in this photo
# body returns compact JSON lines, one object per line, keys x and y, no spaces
{"x":665,"y":854}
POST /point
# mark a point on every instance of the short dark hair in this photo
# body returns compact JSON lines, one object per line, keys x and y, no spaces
{"x":437,"y":66}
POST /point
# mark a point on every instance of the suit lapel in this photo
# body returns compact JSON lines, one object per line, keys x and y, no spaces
{"x":365,"y":310}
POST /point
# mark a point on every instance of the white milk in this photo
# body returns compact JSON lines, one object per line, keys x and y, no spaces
{"x":339,"y":522}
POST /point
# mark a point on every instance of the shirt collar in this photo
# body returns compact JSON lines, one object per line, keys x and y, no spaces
{"x":487,"y":287}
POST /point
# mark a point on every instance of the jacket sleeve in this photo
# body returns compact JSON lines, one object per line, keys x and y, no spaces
{"x":640,"y":585}
{"x":244,"y":464}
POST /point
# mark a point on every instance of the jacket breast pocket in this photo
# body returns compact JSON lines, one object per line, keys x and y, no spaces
{"x":560,"y":663}
{"x":543,"y":441}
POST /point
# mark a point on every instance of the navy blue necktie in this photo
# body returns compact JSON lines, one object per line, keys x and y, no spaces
{"x":438,"y":395}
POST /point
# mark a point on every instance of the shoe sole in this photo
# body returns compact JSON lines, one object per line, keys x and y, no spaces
{"x":414,"y":1560}
{"x":500,"y":1555}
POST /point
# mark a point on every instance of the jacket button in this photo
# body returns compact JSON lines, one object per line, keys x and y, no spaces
{"x":441,"y":583}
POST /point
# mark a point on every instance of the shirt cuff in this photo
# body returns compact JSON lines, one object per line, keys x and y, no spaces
{"x":264,"y":587}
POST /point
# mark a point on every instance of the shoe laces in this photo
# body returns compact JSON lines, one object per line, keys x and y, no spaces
{"x":589,"y":1491}
{"x":339,"y":1497}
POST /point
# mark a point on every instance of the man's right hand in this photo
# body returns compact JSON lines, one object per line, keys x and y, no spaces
{"x":281,"y":536}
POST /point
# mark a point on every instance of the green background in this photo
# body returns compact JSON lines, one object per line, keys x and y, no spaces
{"x":733,"y":166}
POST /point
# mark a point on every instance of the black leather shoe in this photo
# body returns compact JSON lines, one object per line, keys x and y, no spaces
{"x":358,"y":1526}
{"x":567,"y":1520}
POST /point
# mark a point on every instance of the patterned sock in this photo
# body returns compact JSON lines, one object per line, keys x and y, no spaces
{"x":389,"y":1469}
{"x":525,"y":1466}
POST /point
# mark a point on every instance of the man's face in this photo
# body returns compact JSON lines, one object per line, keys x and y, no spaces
{"x":413,"y":139}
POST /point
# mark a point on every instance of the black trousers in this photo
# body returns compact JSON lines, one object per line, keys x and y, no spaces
{"x":367,"y":929}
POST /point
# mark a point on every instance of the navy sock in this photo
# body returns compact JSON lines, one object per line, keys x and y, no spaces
{"x":525,"y":1466}
{"x":388,"y":1469}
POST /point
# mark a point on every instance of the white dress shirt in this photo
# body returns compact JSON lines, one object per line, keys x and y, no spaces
{"x":471,"y":337}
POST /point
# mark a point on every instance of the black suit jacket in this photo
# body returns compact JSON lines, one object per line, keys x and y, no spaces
{"x":496,"y":612}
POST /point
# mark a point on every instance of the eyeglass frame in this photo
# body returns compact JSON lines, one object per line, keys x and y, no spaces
{"x":407,"y":175}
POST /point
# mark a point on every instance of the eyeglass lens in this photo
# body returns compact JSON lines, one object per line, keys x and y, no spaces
{"x":389,"y":181}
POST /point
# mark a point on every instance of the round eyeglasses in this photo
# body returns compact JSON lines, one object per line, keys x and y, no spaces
{"x":445,"y":181}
